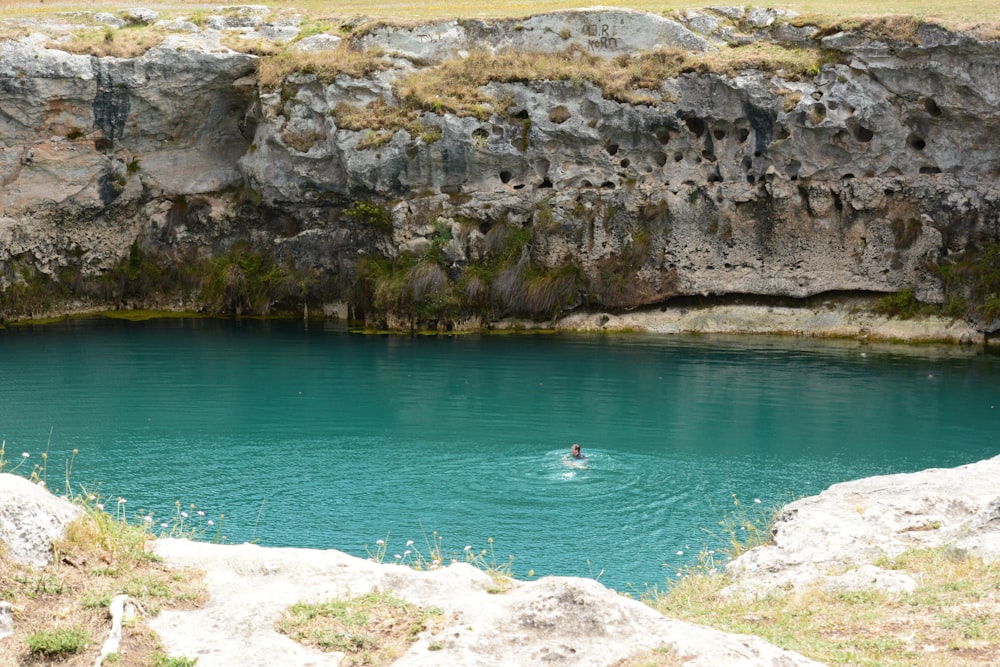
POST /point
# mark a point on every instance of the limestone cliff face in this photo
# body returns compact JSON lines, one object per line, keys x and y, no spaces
{"x":868,"y":173}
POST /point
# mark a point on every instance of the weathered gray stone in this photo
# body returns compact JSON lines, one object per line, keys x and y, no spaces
{"x":105,"y":18}
{"x":177,"y":25}
{"x":554,"y":619}
{"x":603,"y":32}
{"x":856,"y":523}
{"x":30,"y":519}
{"x":140,"y":15}
{"x":322,"y":42}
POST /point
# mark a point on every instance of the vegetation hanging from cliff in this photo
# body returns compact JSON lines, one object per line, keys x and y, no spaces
{"x":972,"y":283}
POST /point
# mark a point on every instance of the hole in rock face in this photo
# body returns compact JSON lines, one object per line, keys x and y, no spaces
{"x":930,"y":169}
{"x":663,"y":135}
{"x":480,"y":134}
{"x":846,"y":177}
{"x":719,"y":133}
{"x":818,"y":111}
{"x":411,"y":151}
{"x":744,"y":134}
{"x":559,"y":114}
{"x":521,"y":114}
{"x":519,"y":186}
{"x":678,"y":156}
{"x":916,"y":142}
{"x":781,"y":133}
{"x":715,"y":177}
{"x":625,"y":162}
{"x":608,"y":185}
{"x":546,"y":183}
{"x":586,"y":184}
{"x":695,"y":125}
{"x":708,"y":155}
{"x":746,"y":163}
{"x":862,"y":133}
{"x":751,"y":179}
{"x":660,"y":159}
{"x":497,"y":131}
{"x":931,"y":107}
{"x":505,"y":176}
{"x":832,"y":105}
{"x":792,"y":170}
{"x":611,"y":148}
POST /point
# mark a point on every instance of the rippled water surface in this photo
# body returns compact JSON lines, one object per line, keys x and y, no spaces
{"x":305,"y":435}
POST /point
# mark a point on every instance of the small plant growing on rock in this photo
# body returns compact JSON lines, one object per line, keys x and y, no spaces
{"x":370,"y":214}
{"x":58,"y":641}
{"x":371,"y":629}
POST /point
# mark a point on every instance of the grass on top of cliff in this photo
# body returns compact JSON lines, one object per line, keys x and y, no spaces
{"x":949,"y":619}
{"x":61,"y":610}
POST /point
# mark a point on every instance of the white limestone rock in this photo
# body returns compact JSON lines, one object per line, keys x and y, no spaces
{"x":177,"y":25}
{"x":602,"y":31}
{"x":31,"y":518}
{"x":552,"y":620}
{"x":321,"y":42}
{"x":105,"y":18}
{"x":140,"y":16}
{"x":855,"y":523}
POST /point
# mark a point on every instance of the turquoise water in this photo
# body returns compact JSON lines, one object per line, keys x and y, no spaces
{"x":305,"y":435}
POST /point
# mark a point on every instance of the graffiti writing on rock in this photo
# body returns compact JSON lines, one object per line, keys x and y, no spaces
{"x":600,"y":36}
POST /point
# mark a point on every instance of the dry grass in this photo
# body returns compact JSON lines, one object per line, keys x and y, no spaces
{"x":949,"y":619}
{"x":955,"y":12}
{"x":98,"y":559}
{"x":129,"y":42}
{"x":326,"y":65}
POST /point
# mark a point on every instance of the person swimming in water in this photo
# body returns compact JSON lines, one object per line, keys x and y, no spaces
{"x":575,"y":457}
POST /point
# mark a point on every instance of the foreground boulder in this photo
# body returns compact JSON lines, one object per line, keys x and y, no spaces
{"x":31,"y":518}
{"x":836,"y":537}
{"x":555,"y":620}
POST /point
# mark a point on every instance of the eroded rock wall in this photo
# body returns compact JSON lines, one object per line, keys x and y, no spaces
{"x":865,"y":175}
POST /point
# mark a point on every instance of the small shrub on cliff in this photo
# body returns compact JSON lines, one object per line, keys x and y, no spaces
{"x":972,"y":282}
{"x":904,"y":305}
{"x":370,"y":214}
